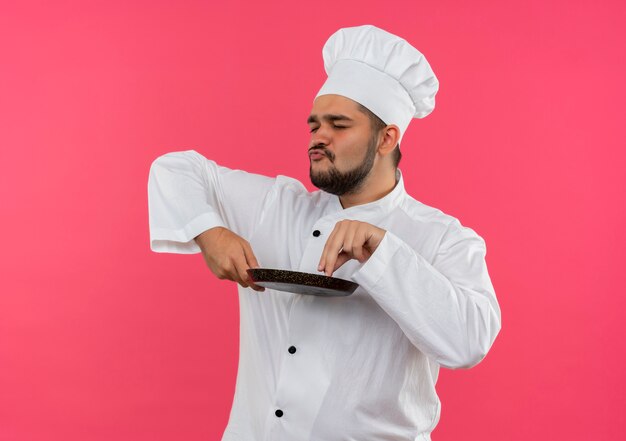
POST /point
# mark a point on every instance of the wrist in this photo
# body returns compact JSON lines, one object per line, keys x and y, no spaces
{"x":203,"y":238}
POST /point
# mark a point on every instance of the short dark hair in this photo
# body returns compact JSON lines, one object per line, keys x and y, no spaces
{"x":377,"y":126}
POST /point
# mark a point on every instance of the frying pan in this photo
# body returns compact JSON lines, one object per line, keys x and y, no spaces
{"x":302,"y":283}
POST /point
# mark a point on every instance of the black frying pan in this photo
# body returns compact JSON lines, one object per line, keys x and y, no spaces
{"x":302,"y":283}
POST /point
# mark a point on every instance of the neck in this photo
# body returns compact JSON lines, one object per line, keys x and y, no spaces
{"x":377,"y":185}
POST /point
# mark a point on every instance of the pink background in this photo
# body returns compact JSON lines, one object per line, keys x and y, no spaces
{"x":101,"y":339}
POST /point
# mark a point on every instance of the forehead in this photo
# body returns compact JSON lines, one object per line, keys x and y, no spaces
{"x":335,"y":104}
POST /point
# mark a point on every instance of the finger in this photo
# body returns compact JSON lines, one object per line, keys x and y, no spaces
{"x":251,"y":263}
{"x":350,"y":240}
{"x":334,"y":248}
{"x":328,"y":246}
{"x":359,"y":249}
{"x":241,"y":266}
{"x":255,"y":287}
{"x":341,"y":259}
{"x":249,"y":255}
{"x":322,"y":263}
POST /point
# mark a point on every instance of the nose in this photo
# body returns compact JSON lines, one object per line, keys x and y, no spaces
{"x":320,"y":137}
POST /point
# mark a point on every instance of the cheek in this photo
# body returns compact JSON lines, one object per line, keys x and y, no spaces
{"x":348,"y":158}
{"x":356,"y":150}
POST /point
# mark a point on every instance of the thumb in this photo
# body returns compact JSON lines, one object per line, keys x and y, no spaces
{"x":250,"y":257}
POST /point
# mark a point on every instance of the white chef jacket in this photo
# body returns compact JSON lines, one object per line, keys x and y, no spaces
{"x":355,"y":368}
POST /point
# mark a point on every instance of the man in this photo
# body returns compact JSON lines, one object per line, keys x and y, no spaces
{"x":361,"y":367}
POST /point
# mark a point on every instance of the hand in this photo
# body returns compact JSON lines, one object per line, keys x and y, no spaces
{"x":349,"y":240}
{"x":228,"y":256}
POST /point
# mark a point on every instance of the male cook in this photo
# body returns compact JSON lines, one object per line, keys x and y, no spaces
{"x":361,"y":367}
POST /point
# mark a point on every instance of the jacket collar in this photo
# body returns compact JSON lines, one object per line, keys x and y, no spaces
{"x":380,"y":206}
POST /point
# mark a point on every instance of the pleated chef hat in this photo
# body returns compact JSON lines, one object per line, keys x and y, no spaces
{"x":382,"y":72}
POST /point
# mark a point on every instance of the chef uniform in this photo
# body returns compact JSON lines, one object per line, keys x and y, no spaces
{"x":361,"y":367}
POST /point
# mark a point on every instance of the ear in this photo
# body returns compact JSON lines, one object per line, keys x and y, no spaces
{"x":389,"y":140}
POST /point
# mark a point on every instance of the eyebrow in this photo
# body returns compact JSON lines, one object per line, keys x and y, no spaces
{"x":328,"y":117}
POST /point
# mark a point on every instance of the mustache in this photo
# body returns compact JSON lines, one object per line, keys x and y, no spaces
{"x":330,"y":155}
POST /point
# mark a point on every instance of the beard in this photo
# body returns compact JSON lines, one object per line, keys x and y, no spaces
{"x":340,"y":183}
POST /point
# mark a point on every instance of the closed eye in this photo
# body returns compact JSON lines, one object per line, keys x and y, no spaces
{"x":313,"y":129}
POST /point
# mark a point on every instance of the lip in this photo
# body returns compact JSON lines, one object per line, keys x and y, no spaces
{"x":317,"y":155}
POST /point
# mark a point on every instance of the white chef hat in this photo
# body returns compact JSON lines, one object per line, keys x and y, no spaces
{"x":382,"y":72}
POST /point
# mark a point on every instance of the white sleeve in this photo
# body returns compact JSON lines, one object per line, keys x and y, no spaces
{"x":189,"y":194}
{"x":448,"y":310}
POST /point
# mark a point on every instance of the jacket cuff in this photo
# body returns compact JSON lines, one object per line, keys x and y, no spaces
{"x":374,"y":268}
{"x":166,"y":240}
